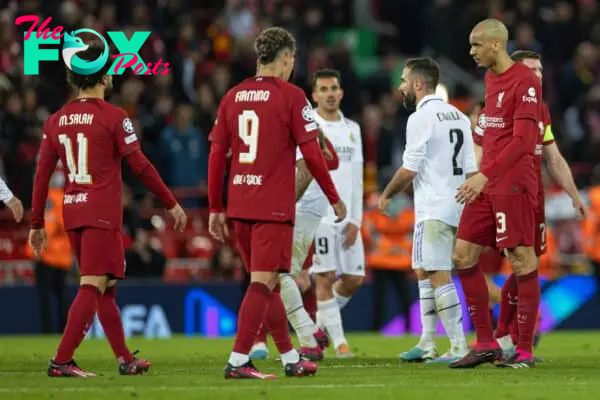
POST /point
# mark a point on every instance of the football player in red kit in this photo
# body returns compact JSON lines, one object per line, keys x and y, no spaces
{"x":91,"y":137}
{"x":502,"y":215}
{"x":262,"y":121}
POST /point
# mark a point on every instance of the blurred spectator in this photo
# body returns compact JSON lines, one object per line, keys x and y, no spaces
{"x":240,"y":19}
{"x":184,"y":154}
{"x":225,"y":262}
{"x":142,"y":260}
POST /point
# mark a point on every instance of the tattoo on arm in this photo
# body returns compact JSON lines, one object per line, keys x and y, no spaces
{"x":303,"y":178}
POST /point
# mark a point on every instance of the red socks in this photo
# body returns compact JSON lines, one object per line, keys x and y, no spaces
{"x":508,"y":306}
{"x":81,"y":317}
{"x":262,"y":334}
{"x":309,"y":298}
{"x":477,"y":297}
{"x":527,"y":309}
{"x":277,"y":324}
{"x":110,"y":318}
{"x":253,"y":312}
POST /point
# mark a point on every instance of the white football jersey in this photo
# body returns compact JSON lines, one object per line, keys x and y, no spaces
{"x":345,"y":136}
{"x":439,"y":149}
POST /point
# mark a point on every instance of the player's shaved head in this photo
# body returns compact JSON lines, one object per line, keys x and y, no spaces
{"x":491,"y":29}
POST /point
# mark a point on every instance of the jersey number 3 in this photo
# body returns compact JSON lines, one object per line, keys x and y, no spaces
{"x":456,"y":137}
{"x":78,"y":173}
{"x":248,"y":131}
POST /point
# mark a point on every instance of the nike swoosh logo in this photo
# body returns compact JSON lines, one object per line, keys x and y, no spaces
{"x":501,"y":239}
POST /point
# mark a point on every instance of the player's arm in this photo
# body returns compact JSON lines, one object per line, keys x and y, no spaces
{"x":303,"y":176}
{"x":417,"y":136}
{"x":220,"y":144}
{"x":305,"y":133}
{"x":561,"y":174}
{"x":11,"y":201}
{"x":525,"y":128}
{"x":471,"y":160}
{"x":46,"y":164}
{"x":357,"y":165}
{"x":478,"y":132}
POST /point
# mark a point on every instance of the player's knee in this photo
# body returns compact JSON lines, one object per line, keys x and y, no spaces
{"x":325,"y":283}
{"x":98,"y":281}
{"x":465,"y":255}
{"x":269,"y":279}
{"x":439,"y":278}
{"x":303,"y":281}
{"x":522,"y":260}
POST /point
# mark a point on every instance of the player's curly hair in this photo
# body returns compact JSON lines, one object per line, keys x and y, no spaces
{"x":87,"y":81}
{"x":271,"y":41}
{"x":427,"y":68}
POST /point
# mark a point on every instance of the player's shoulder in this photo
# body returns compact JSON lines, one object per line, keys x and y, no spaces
{"x":352,"y":124}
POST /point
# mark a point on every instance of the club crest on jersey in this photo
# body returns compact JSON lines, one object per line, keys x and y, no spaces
{"x":481,"y":121}
{"x":500,"y":98}
{"x":352,"y":138}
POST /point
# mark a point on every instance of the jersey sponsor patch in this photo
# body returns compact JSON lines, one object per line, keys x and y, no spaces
{"x":530,"y":98}
{"x":128,"y":125}
{"x":130,"y":139}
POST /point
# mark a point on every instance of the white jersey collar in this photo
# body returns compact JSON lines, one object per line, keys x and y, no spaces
{"x":322,"y":121}
{"x":428,"y":98}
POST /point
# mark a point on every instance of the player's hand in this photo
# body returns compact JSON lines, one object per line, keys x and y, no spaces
{"x":16,"y":208}
{"x":217,"y":226}
{"x":38,"y":241}
{"x":350,"y":235}
{"x":579,"y":208}
{"x":468,"y":191}
{"x":340,"y":211}
{"x":180,"y":218}
{"x":383,"y":202}
{"x":327,"y":154}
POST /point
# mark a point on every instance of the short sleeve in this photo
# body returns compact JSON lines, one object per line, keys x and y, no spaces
{"x":547,"y":121}
{"x":125,"y":137}
{"x":528,"y":98}
{"x":479,"y":130}
{"x":218,"y":133}
{"x":418,"y":133}
{"x":302,"y":119}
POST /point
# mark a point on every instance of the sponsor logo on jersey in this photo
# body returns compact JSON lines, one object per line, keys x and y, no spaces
{"x":531,"y":96}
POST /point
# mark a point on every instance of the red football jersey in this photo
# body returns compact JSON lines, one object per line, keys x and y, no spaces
{"x":263,"y":120}
{"x":514,"y":94}
{"x":545,"y":139}
{"x":90,"y":136}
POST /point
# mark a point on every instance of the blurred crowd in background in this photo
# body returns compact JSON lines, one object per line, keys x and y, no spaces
{"x":208,"y":44}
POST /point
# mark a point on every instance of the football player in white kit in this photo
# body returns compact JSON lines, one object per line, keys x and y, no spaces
{"x":339,"y":248}
{"x":438,"y":156}
{"x":311,"y":206}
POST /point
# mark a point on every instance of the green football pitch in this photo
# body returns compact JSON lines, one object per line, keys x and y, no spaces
{"x":192,"y":368}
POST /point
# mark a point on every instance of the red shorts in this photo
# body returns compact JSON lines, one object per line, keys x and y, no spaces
{"x":500,"y":221}
{"x":98,"y":251}
{"x":491,"y":261}
{"x":309,"y":257}
{"x":264,"y":246}
{"x":540,"y":230}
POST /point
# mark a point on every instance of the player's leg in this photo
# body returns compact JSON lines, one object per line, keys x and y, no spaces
{"x":309,"y":297}
{"x":508,"y":313}
{"x":426,"y":348}
{"x":303,"y":325}
{"x":476,"y":230}
{"x":516,"y":217}
{"x":93,"y":282}
{"x":325,"y":270}
{"x":253,"y":310}
{"x":438,"y":244}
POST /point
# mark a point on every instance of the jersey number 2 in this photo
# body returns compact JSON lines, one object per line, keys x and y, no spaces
{"x":77,"y":173}
{"x":456,"y":137}
{"x":248,"y":131}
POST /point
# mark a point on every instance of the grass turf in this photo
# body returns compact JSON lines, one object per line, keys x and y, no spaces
{"x":192,"y":368}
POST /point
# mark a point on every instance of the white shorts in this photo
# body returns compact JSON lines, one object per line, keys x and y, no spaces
{"x":330,"y":254}
{"x":304,"y":233}
{"x":433,"y":244}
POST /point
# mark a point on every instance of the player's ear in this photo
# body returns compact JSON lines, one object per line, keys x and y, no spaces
{"x":314,"y":96}
{"x":341,"y":93}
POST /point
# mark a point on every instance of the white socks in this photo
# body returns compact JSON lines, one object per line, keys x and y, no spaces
{"x":449,"y":309}
{"x":301,"y":322}
{"x":291,"y":357}
{"x":429,"y":316}
{"x":238,"y":359}
{"x":341,"y":300}
{"x":329,"y":317}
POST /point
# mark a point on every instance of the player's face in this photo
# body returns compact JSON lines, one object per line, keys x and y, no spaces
{"x":483,"y":50}
{"x":407,"y":89}
{"x":328,"y":94}
{"x":535,"y":66}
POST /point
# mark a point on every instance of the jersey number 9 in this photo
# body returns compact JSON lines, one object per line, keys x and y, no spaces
{"x":248,"y":132}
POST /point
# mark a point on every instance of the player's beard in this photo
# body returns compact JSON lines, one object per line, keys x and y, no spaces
{"x":410,"y":100}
